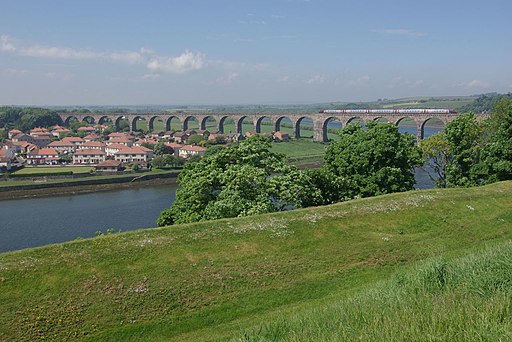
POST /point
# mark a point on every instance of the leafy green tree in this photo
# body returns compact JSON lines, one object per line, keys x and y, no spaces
{"x":161,"y":149}
{"x":372,"y":161}
{"x":464,"y":137}
{"x":438,"y":157}
{"x":497,"y":150}
{"x":240,"y":180}
{"x":195,"y":139}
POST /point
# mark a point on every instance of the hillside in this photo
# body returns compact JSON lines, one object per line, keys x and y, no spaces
{"x":276,"y":276}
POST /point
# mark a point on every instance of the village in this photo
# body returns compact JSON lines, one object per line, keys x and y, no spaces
{"x":107,"y":151}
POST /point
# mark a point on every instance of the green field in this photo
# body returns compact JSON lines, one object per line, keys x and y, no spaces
{"x":430,"y":265}
{"x":301,"y":149}
{"x":53,"y":169}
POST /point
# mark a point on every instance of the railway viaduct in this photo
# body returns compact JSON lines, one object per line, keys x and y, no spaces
{"x":319,"y":120}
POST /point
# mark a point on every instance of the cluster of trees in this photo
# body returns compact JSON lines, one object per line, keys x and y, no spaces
{"x":470,"y":152}
{"x":27,"y":118}
{"x":485,"y":103}
{"x":247,"y":178}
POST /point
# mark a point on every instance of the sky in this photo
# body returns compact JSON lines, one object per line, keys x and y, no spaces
{"x":113,"y":52}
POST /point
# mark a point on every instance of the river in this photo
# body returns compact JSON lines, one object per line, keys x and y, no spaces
{"x":36,"y":222}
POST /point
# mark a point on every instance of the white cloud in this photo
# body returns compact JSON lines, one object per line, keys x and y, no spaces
{"x":187,"y":61}
{"x":474,"y":84}
{"x":228,"y":78}
{"x":361,"y":81}
{"x":59,"y":76}
{"x":151,"y":76}
{"x":283,"y":79}
{"x":317,"y":79}
{"x":399,"y":32}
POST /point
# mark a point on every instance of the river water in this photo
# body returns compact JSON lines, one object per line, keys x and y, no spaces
{"x":36,"y":222}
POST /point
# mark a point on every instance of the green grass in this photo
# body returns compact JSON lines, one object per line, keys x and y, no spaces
{"x":13,"y":182}
{"x":269,"y":276}
{"x":53,"y":169}
{"x":299,"y":149}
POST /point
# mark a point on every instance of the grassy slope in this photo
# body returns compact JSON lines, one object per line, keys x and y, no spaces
{"x":208,"y":280}
{"x":52,"y":169}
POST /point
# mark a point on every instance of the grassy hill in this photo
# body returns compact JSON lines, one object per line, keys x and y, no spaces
{"x":430,"y":264}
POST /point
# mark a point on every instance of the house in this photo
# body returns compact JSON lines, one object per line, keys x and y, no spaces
{"x":175,"y":147}
{"x":75,"y":140}
{"x":168,"y":135}
{"x":120,"y":140}
{"x":93,"y":145}
{"x":39,"y":131}
{"x":190,"y":150}
{"x":92,"y":137}
{"x":58,"y":131}
{"x":109,"y":166}
{"x":113,"y":148}
{"x":87,"y":129}
{"x":63,"y":146}
{"x":119,"y":135}
{"x":43,"y":156}
{"x":23,"y":137}
{"x":181,"y":137}
{"x":13,"y":132}
{"x":6,"y":156}
{"x":282,"y":136}
{"x":42,"y":140}
{"x":146,"y":141}
{"x":133,"y":154}
{"x":89,"y":156}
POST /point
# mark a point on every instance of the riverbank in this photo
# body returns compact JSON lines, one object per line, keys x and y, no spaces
{"x":92,"y":184}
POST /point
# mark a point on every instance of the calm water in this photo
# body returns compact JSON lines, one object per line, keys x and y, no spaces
{"x":40,"y":221}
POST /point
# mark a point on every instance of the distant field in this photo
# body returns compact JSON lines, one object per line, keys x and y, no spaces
{"x":299,"y":148}
{"x":53,"y":169}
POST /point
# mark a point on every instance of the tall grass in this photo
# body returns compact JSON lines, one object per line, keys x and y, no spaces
{"x":466,"y":299}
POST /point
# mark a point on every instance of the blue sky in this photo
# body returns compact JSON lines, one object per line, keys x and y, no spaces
{"x":56,"y":52}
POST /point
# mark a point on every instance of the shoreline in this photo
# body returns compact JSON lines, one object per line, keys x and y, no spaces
{"x":82,"y":188}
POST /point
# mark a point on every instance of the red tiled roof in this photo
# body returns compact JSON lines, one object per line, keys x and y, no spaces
{"x":193,"y":148}
{"x":93,"y":144}
{"x":109,"y":163}
{"x":61,"y":143}
{"x":89,"y":151}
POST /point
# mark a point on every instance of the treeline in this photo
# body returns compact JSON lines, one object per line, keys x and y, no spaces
{"x":484,"y":103}
{"x":26,"y":119}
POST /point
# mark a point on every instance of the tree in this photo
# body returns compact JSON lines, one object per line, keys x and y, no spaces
{"x":438,"y":157}
{"x":497,"y":150}
{"x":372,"y":161}
{"x":161,"y":149}
{"x":195,"y":139}
{"x":240,"y":180}
{"x":464,"y":138}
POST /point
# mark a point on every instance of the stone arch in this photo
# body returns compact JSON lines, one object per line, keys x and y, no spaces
{"x":240,"y":124}
{"x":136,"y":119}
{"x":227,"y":121}
{"x":205,"y":120}
{"x":407,"y":124}
{"x":105,"y":120}
{"x":278,"y":125}
{"x":188,"y":120}
{"x":304,"y":123}
{"x":89,"y":119}
{"x":117,"y":122}
{"x":326,"y":129}
{"x":169,"y":125}
{"x":354,"y":119}
{"x":260,"y":121}
{"x":431,"y":126}
{"x":152,"y":120}
{"x":379,"y":119}
{"x":70,"y":119}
